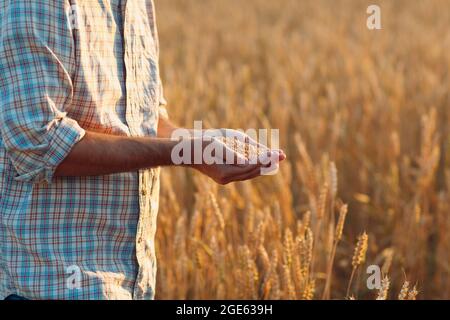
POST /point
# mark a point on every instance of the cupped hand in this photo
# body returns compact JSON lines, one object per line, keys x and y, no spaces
{"x":224,"y":165}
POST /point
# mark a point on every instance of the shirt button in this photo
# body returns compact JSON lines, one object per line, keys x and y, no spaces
{"x":144,"y":192}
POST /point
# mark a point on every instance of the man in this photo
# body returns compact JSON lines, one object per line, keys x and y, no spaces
{"x":84,"y":131}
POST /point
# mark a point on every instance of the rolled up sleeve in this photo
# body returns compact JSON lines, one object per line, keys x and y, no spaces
{"x":36,"y":53}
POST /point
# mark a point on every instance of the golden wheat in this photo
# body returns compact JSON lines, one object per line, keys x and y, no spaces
{"x":359,"y":256}
{"x":403,"y":295}
{"x":363,"y":118}
{"x":384,"y":290}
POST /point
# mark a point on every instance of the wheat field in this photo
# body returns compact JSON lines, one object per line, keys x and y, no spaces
{"x":364,"y":120}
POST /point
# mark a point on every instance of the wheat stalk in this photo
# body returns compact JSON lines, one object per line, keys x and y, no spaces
{"x":403,"y":295}
{"x":383,"y":291}
{"x":359,"y":257}
{"x":413,"y":294}
{"x":337,"y":237}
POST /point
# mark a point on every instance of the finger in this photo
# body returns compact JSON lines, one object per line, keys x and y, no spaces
{"x":281,"y":153}
{"x":268,"y":158}
{"x":270,"y":170}
{"x":245,"y":176}
{"x":234,"y":170}
{"x":230,"y":172}
{"x":274,"y":157}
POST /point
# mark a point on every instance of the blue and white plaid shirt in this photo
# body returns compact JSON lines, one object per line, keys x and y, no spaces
{"x":66,"y":67}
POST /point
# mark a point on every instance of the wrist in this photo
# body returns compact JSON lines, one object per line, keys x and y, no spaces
{"x":186,"y":151}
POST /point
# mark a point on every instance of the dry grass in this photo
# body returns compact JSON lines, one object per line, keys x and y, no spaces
{"x":363,"y":118}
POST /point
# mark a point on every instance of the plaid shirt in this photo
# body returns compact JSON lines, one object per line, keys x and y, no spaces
{"x":66,"y":67}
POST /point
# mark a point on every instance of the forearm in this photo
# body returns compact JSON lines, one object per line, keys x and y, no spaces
{"x":102,"y":154}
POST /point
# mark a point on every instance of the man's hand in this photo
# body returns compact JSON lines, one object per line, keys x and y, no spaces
{"x":226,"y":173}
{"x":228,"y":165}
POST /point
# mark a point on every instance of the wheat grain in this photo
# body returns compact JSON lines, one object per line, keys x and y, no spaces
{"x":288,"y":246}
{"x":248,"y":150}
{"x":217,"y":211}
{"x":383,"y":292}
{"x":359,"y":255}
{"x":308,"y":294}
{"x":413,"y":294}
{"x":341,"y":221}
{"x":403,"y":295}
{"x":288,"y":284}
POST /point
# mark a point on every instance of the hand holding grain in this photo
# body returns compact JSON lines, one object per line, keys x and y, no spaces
{"x":246,"y":162}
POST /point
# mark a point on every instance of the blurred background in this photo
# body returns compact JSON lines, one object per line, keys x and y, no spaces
{"x":364,"y":120}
